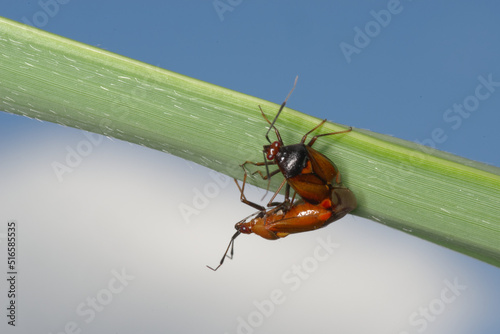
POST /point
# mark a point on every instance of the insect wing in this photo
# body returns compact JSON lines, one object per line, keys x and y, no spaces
{"x":323,"y":167}
{"x":343,"y":201}
{"x":310,"y":187}
{"x":301,"y":217}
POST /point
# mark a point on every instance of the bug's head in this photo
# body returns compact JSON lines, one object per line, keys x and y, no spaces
{"x":243,"y":227}
{"x":270,"y":151}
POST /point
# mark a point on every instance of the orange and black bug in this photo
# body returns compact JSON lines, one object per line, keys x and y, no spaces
{"x":311,"y":174}
{"x":290,"y":217}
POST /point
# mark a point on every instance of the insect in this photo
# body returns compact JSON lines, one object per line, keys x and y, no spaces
{"x":290,"y":217}
{"x":311,"y":174}
{"x":314,"y":177}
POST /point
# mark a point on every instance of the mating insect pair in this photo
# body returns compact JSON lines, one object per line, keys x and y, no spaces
{"x":313,"y":176}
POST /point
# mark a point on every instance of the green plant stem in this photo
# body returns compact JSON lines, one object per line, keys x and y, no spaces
{"x":436,"y":196}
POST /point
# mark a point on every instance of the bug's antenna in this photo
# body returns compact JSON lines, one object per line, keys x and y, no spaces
{"x":281,"y":108}
{"x":231,"y":245}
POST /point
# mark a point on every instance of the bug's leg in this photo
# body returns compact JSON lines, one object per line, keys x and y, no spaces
{"x":287,"y":203}
{"x":231,"y":245}
{"x":293,"y":198}
{"x":255,"y":205}
{"x":264,"y":177}
{"x":242,"y":195}
{"x":252,"y":163}
{"x":287,"y":192}
{"x":268,"y":178}
{"x":325,"y":134}
{"x":309,"y":132}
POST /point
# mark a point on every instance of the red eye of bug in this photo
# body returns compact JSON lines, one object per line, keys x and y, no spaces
{"x":273,"y":150}
{"x":245,"y":229}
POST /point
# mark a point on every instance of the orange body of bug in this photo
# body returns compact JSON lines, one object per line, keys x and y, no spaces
{"x":300,"y":217}
{"x":311,"y":174}
{"x":287,"y":218}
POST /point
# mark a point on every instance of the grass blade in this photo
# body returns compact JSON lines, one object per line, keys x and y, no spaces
{"x":436,"y":196}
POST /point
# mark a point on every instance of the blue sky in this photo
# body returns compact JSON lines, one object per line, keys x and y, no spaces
{"x":426,"y":59}
{"x":412,"y":69}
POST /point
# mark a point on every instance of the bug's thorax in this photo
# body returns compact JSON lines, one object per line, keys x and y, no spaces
{"x":292,"y":159}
